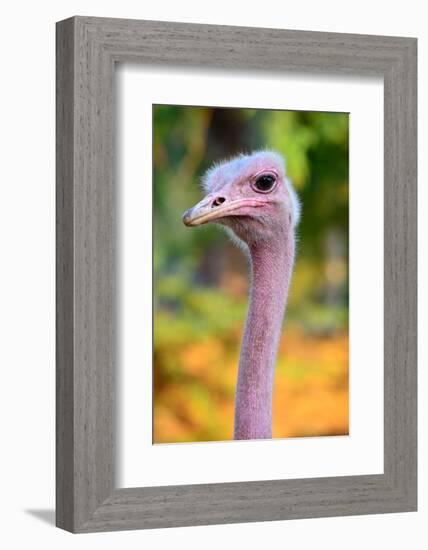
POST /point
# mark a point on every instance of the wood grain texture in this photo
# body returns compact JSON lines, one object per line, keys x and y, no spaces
{"x":87,"y":50}
{"x":64,"y":278}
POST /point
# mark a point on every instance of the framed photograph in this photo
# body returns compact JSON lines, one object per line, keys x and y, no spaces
{"x":236,"y":274}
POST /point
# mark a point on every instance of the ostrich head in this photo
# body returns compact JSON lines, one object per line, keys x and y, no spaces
{"x":250,"y":195}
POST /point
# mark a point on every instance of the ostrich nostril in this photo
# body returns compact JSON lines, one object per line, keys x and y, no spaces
{"x":217,"y":201}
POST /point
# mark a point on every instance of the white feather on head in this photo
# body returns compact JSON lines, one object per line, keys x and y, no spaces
{"x":230,"y":168}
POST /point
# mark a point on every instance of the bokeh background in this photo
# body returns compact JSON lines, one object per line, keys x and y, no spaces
{"x":201,"y":285}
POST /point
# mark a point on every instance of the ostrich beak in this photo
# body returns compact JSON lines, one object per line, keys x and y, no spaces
{"x":214,"y":207}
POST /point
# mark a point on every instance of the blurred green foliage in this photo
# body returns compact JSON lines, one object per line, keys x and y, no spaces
{"x":200,"y":278}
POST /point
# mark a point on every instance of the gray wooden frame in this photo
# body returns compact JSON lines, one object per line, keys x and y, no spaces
{"x":87,"y":50}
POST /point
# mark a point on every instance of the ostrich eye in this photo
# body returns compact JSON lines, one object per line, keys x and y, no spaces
{"x":265,"y":183}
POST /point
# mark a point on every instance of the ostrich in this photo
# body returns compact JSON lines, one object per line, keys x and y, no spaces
{"x":252,"y":198}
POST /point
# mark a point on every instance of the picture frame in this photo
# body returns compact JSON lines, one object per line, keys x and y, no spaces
{"x":87,"y":50}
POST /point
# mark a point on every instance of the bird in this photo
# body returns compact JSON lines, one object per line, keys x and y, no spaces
{"x":251,"y":196}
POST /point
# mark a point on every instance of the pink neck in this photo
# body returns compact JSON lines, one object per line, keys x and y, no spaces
{"x":272,"y":265}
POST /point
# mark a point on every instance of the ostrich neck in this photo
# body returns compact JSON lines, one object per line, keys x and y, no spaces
{"x":271,"y":267}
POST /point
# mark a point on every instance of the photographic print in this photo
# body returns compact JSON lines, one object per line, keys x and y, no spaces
{"x":250,"y":273}
{"x":238,"y":392}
